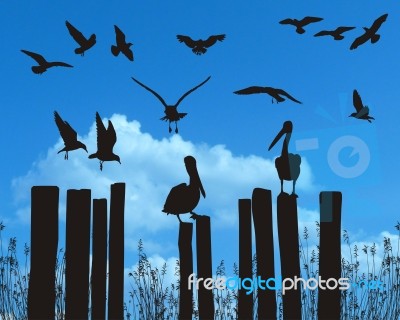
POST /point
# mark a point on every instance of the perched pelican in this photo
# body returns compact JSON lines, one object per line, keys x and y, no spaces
{"x":184,"y":198}
{"x":288,"y":164}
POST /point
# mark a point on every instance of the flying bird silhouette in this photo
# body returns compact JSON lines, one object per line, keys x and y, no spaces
{"x":362,"y":111}
{"x":300,"y":24}
{"x":171,"y":111}
{"x":68,"y":135}
{"x":277,"y":94}
{"x":200,"y":46}
{"x":106,"y":140}
{"x":370,"y":33}
{"x":184,"y":198}
{"x":84,"y":43}
{"x":43,"y":64}
{"x":122,"y":45}
{"x":336,"y":34}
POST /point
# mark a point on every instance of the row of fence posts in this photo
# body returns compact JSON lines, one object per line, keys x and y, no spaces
{"x":78,"y":284}
{"x":259,"y":209}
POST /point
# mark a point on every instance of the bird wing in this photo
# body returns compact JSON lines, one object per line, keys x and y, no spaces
{"x":308,"y":20}
{"x":357,"y":102}
{"x":152,"y":91}
{"x":323,"y":33}
{"x":190,"y":91}
{"x":37,"y":57}
{"x":251,"y":90}
{"x":359,"y":41}
{"x":378,"y":22}
{"x":101,"y":134}
{"x":60,"y":64}
{"x":363,"y":112}
{"x":120,"y":36}
{"x":76,"y":34}
{"x":343,"y":29}
{"x":187,"y":40}
{"x":67,"y":133}
{"x":111,"y":136}
{"x":287,"y":21}
{"x":213,"y":39}
{"x":284,"y":93}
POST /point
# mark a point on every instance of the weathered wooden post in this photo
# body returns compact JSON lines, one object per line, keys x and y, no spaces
{"x":329,"y":254}
{"x":289,"y":253}
{"x":245,"y":304}
{"x":99,"y":259}
{"x":116,"y":252}
{"x":186,"y":269}
{"x":204,"y":266}
{"x":77,"y":254}
{"x":264,"y":236}
{"x":44,"y":241}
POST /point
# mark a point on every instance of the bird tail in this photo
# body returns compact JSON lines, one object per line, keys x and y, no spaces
{"x":114,"y":50}
{"x":375,"y":38}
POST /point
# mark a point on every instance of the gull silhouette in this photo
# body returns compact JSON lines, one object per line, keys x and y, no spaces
{"x":122,"y":45}
{"x":273,"y":92}
{"x":43,"y":63}
{"x":336,"y":34}
{"x":106,"y":140}
{"x":299,"y":24}
{"x":84,"y":43}
{"x":68,"y":135}
{"x":362,"y":111}
{"x":370,"y":33}
{"x":171,"y":111}
{"x":199,"y":46}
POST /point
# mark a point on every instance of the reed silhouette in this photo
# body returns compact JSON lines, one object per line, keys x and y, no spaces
{"x":362,"y":112}
{"x":300,"y":24}
{"x":277,"y":94}
{"x":121,"y":45}
{"x":43,"y":64}
{"x":106,"y":139}
{"x":84,"y":43}
{"x":200,"y":46}
{"x":68,"y":135}
{"x":171,"y":111}
{"x":336,"y":34}
{"x":370,"y":34}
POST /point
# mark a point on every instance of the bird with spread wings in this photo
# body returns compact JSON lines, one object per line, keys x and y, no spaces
{"x":200,"y":46}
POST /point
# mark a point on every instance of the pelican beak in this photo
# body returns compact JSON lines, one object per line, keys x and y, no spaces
{"x":195,"y":175}
{"x":277,"y":138}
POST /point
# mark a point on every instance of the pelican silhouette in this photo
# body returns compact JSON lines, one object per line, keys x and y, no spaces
{"x":370,"y":33}
{"x":273,"y":92}
{"x":122,"y":45}
{"x":43,"y":64}
{"x":84,"y":43}
{"x":171,"y":111}
{"x":299,"y":24}
{"x":362,"y":111}
{"x":288,"y":164}
{"x":336,"y":34}
{"x":106,"y":140}
{"x":68,"y":135}
{"x":184,"y":198}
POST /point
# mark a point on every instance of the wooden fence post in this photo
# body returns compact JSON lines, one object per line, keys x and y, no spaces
{"x":186,"y":269}
{"x":264,"y":236}
{"x":116,"y":253}
{"x":245,"y":304}
{"x":204,"y":267}
{"x":329,"y":253}
{"x":99,"y":259}
{"x":44,"y":241}
{"x":77,"y":254}
{"x":289,"y":253}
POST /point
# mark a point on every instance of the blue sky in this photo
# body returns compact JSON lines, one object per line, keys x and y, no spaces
{"x":228,"y":134}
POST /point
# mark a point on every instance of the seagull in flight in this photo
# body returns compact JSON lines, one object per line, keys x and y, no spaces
{"x":106,"y":139}
{"x":68,"y":135}
{"x":200,"y":46}
{"x":362,"y":112}
{"x":278,"y":94}
{"x":122,"y":46}
{"x":300,"y":24}
{"x":370,"y":33}
{"x":84,"y":43}
{"x":336,"y":34}
{"x":43,"y":64}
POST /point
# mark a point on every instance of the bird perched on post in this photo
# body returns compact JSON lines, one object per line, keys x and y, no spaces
{"x":200,"y":46}
{"x":362,"y":112}
{"x":370,"y":33}
{"x":277,"y":94}
{"x":68,"y":135}
{"x":171,"y":111}
{"x":121,"y":45}
{"x":300,"y":24}
{"x":106,"y":140}
{"x":84,"y":43}
{"x":184,"y":198}
{"x":43,"y":64}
